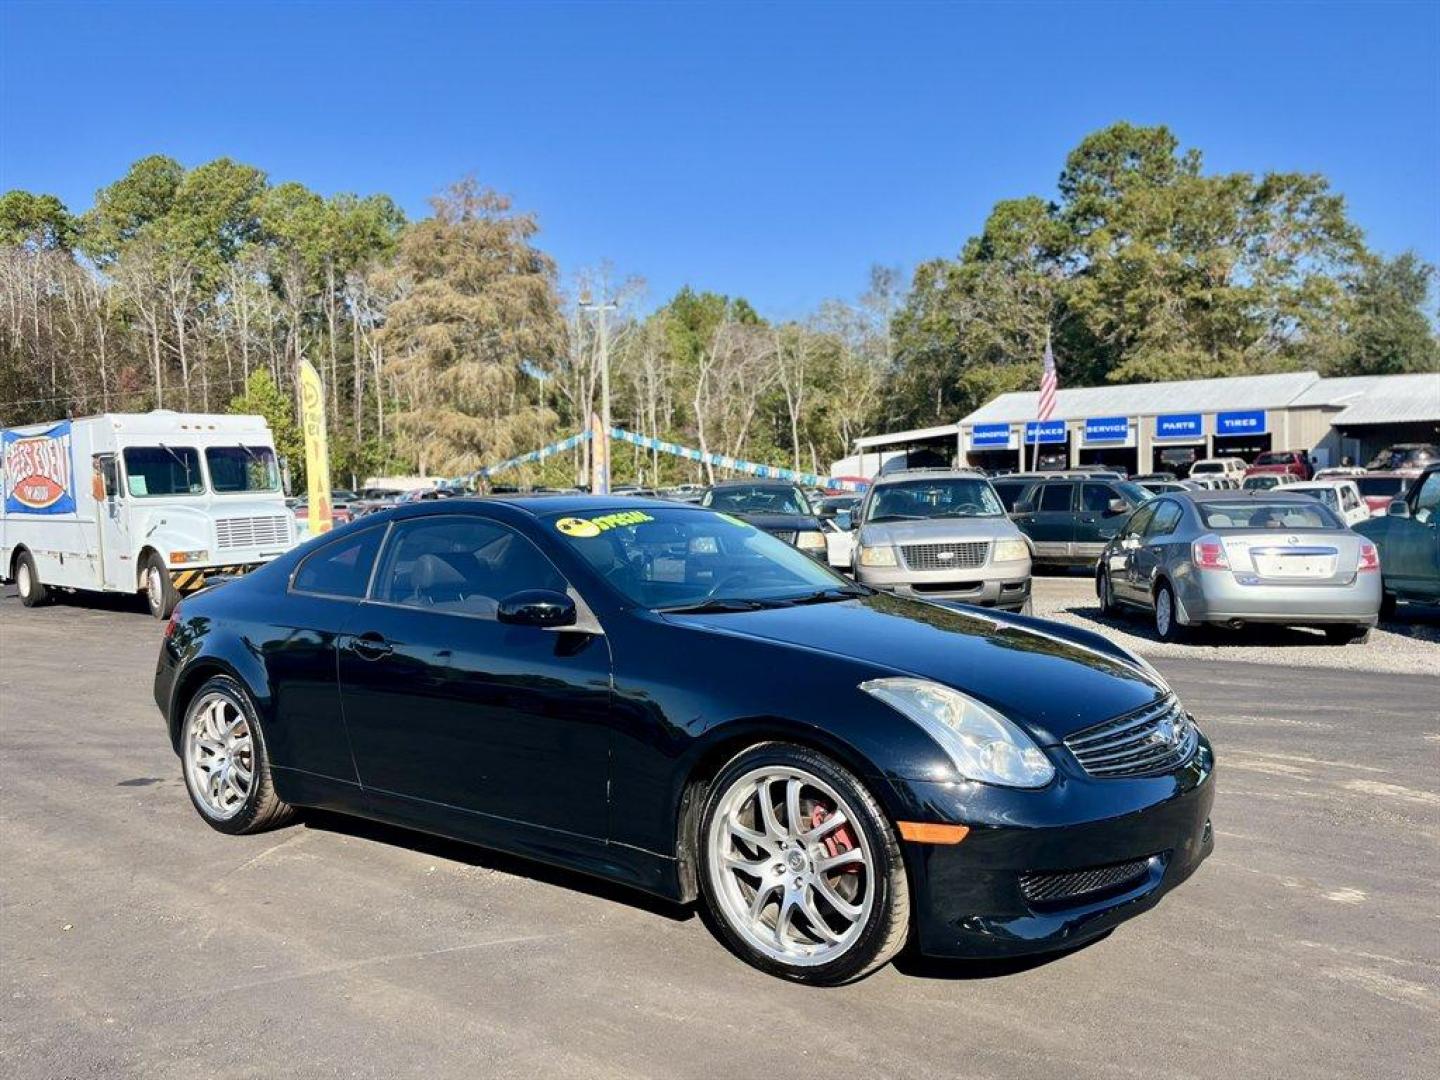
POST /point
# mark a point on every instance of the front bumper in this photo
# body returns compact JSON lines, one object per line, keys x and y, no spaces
{"x":976,"y":898}
{"x":985,"y":587}
{"x":187,"y":579}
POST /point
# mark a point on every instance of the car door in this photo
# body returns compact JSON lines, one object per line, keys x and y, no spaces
{"x":1096,"y":522}
{"x":1049,"y":520}
{"x":1410,"y":546}
{"x":1122,"y":554}
{"x":457,"y":714}
{"x":1156,"y":538}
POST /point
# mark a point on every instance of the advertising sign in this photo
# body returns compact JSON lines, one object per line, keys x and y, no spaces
{"x":989,"y":436}
{"x":1107,"y":429}
{"x":38,"y":473}
{"x":1179,"y":426}
{"x":1044,"y":431}
{"x":1249,"y":422}
{"x":317,"y":452}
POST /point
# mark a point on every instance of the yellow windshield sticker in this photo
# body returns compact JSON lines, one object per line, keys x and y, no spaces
{"x":735,"y":521}
{"x":582,"y":528}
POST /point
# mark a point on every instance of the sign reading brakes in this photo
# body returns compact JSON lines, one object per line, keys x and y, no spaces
{"x":584,"y":527}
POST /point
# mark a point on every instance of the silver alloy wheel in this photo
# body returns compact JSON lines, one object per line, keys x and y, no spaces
{"x":155,"y":589}
{"x":1163,"y":612}
{"x":219,"y":756}
{"x":23,"y":582}
{"x":797,"y":889}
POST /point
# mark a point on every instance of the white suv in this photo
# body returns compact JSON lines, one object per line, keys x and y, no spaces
{"x":1229,"y":467}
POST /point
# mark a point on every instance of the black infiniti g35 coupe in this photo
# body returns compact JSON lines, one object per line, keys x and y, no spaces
{"x":671,"y":698}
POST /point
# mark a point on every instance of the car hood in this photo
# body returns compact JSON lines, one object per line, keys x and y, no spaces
{"x":780,"y":522}
{"x":939,"y":530}
{"x":1051,"y":679}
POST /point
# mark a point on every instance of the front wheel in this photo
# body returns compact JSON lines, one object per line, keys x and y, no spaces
{"x":1106,"y":594}
{"x":160,"y":592}
{"x":800,"y":870}
{"x":32,"y":591}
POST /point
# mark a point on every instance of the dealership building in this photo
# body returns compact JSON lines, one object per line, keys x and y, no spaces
{"x":1151,"y":427}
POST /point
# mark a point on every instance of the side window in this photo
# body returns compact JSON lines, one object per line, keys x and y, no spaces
{"x":1095,"y":498}
{"x":1348,"y":499}
{"x":1427,"y":499}
{"x":1056,"y":497}
{"x":1009,"y":495}
{"x":1167,"y":516}
{"x":1140,"y":520}
{"x":464,"y":565}
{"x":341,"y":568}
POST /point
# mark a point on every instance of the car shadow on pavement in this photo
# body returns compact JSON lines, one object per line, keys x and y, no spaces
{"x":1410,"y":620}
{"x":913,"y":965}
{"x":488,"y":859}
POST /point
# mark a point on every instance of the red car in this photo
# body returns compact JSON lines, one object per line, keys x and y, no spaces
{"x":1379,"y":489}
{"x":1295,"y":462}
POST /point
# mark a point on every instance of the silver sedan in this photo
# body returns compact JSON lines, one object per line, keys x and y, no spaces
{"x":1230,"y":558}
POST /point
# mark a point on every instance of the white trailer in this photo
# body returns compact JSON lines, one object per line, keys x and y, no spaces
{"x":128,"y":502}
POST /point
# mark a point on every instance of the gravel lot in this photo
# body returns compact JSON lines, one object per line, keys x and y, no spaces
{"x":137,"y":942}
{"x":1408,"y":644}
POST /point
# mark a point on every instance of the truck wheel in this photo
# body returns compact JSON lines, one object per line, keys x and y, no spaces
{"x":32,"y":591}
{"x":1346,"y":635}
{"x":160,"y":593}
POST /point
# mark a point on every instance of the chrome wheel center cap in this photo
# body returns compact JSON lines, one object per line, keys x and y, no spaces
{"x":796,"y":861}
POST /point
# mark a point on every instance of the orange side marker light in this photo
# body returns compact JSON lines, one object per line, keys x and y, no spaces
{"x":921,"y":833}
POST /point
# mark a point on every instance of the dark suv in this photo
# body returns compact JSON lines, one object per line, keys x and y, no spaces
{"x":1069,"y":521}
{"x":1409,"y":541}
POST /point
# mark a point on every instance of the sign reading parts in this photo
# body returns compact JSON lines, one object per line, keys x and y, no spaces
{"x":583,"y":528}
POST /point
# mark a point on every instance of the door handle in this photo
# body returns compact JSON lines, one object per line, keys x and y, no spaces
{"x":371,"y":646}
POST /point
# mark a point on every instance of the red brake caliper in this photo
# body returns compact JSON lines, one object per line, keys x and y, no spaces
{"x":838,"y":840}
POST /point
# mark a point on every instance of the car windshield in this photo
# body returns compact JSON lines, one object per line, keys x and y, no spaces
{"x":756,"y":499}
{"x":242,"y":468}
{"x":1261,"y":483}
{"x":1392,"y":486}
{"x":1267,"y":515}
{"x":1207,"y":466}
{"x":1134,"y":492}
{"x":153,"y":471}
{"x":686,"y":557}
{"x":1275,"y":458}
{"x":955,"y":497}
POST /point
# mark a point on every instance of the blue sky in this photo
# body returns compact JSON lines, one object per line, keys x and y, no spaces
{"x":769,"y":151}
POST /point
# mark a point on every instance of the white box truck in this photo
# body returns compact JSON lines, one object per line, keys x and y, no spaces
{"x":151,"y":502}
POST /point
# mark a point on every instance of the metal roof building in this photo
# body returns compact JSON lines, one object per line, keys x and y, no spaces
{"x":1146,"y":427}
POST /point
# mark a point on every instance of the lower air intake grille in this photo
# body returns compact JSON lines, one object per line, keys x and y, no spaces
{"x":1046,"y":888}
{"x":1150,"y":740}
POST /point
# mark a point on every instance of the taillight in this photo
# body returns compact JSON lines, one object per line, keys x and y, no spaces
{"x":173,"y":624}
{"x":1208,"y":553}
{"x":1369,"y":557}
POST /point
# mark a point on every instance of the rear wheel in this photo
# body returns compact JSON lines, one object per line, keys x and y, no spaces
{"x":1105,"y":593}
{"x":1388,"y":603}
{"x":1167,"y":621}
{"x":1346,"y":635}
{"x":27,"y":582}
{"x":227,"y":771}
{"x":800,"y":869}
{"x":160,"y":593}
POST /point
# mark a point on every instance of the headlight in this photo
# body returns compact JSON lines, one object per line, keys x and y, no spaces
{"x":877,"y":556}
{"x":1012,"y":550}
{"x":810,"y":541}
{"x":982,"y":744}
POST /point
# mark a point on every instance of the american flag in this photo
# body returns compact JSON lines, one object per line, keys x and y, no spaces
{"x":1049,"y":383}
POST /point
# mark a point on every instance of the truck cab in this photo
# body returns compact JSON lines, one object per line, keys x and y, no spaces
{"x":155,"y":502}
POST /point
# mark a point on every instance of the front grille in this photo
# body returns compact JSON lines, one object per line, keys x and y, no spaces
{"x":788,"y":535}
{"x":246,"y":532}
{"x":1150,"y":740}
{"x":1065,"y":886}
{"x":967,"y":555}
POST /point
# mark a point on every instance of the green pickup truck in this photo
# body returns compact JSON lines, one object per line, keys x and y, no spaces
{"x":1409,"y":541}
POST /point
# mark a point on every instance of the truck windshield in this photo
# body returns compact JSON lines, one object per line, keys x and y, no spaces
{"x":242,"y":468}
{"x":153,"y":471}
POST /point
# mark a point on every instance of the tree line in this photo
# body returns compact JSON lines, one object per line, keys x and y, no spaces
{"x":451,"y":342}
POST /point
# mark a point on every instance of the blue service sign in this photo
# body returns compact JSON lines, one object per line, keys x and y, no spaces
{"x":1179,"y":426}
{"x":1107,"y":429}
{"x":1044,"y":431}
{"x":1249,"y":422}
{"x":990,"y":435}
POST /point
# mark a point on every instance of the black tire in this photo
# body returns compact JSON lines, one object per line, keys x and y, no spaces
{"x":262,"y":808}
{"x":1168,"y":629}
{"x":1347,"y":635}
{"x":1106,"y":594}
{"x":32,"y":590}
{"x":160,"y":594}
{"x":1388,"y":603}
{"x":887,"y":925}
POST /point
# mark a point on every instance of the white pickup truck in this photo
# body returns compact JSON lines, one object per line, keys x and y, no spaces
{"x":128,"y":502}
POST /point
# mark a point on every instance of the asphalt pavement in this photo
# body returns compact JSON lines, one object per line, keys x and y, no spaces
{"x":137,"y":942}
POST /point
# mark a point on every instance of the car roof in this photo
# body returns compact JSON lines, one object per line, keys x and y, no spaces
{"x":930,"y":474}
{"x":1242,"y":496}
{"x":757,"y":482}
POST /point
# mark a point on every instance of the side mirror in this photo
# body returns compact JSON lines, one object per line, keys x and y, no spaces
{"x":1399,"y":508}
{"x":1023,"y":508}
{"x":544,"y":608}
{"x":1118,"y":506}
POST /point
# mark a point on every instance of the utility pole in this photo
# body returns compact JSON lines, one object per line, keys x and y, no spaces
{"x":600,"y":481}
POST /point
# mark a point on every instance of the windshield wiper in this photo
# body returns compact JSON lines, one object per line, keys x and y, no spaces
{"x":824,"y":596}
{"x":716,"y":604}
{"x":897,"y":517}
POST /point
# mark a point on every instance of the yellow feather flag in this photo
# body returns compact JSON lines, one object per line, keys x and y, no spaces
{"x":317,"y":450}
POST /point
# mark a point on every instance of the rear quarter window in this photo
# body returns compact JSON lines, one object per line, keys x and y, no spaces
{"x":341,"y":568}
